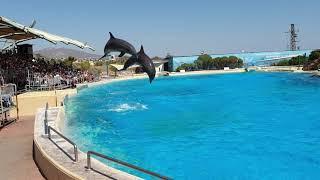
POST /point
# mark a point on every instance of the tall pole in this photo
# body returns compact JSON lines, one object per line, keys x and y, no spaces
{"x":293,"y":38}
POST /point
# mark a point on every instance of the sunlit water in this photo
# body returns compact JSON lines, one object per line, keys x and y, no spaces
{"x":232,"y":126}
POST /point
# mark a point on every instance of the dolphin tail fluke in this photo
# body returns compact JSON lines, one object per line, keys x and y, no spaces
{"x":151,"y":78}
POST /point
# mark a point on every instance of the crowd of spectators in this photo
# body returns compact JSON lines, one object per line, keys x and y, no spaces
{"x":24,"y":70}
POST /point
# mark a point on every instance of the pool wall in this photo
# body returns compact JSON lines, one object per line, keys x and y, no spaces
{"x":56,"y":165}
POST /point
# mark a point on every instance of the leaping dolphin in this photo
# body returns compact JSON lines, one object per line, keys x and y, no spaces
{"x":145,"y":61}
{"x":118,"y":45}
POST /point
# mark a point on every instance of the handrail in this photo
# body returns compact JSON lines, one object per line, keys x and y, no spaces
{"x":122,"y":163}
{"x":45,"y":121}
{"x":3,"y":110}
{"x":75,"y":148}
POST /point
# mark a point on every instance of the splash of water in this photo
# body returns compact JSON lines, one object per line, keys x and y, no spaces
{"x":128,"y":107}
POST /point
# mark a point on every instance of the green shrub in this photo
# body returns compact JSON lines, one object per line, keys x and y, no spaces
{"x":84,"y":65}
{"x":69,"y":62}
{"x":98,"y":63}
{"x":206,"y":62}
{"x":313,"y":62}
{"x":314,"y":55}
{"x":299,"y":60}
{"x":187,"y":67}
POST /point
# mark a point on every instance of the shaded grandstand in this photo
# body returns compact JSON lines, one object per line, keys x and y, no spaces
{"x":18,"y":65}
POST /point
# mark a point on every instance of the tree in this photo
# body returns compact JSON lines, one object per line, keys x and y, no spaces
{"x":68,"y":63}
{"x":282,"y":63}
{"x":187,"y":67}
{"x":314,"y":55}
{"x":84,"y":66}
{"x":313,"y":62}
{"x":299,"y":60}
{"x":204,"y":62}
{"x":98,"y":63}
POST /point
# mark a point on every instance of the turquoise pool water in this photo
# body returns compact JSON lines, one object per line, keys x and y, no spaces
{"x":232,"y":126}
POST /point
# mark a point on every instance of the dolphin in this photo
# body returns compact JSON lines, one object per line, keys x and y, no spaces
{"x":144,"y":60}
{"x":118,"y":45}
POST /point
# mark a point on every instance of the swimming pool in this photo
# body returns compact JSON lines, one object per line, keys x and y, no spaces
{"x":231,"y":126}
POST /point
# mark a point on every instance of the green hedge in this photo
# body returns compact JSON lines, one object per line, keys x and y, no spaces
{"x":206,"y":62}
{"x":299,"y":60}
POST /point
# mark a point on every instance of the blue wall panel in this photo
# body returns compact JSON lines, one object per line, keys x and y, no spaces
{"x":251,"y":58}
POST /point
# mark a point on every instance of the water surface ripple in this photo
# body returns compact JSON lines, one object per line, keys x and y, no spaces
{"x":232,"y":126}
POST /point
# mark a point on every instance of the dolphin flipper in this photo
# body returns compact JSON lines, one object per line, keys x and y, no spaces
{"x":129,"y":63}
{"x":122,"y":54}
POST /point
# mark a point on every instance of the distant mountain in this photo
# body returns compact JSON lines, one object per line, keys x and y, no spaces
{"x":58,"y":53}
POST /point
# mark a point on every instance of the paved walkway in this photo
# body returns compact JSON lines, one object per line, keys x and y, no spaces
{"x":16,"y":160}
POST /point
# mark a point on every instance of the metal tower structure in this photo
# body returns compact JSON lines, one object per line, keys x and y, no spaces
{"x":293,"y":37}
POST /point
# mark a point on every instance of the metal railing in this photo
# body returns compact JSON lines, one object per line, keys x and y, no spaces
{"x":11,"y":91}
{"x":89,"y":153}
{"x":48,"y":129}
{"x":45,"y":121}
{"x":75,"y":148}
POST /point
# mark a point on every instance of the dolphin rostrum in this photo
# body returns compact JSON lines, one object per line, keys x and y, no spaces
{"x":143,"y":60}
{"x":118,"y":45}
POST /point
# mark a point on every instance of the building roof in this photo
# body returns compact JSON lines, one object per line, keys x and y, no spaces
{"x":12,"y":30}
{"x":160,"y":61}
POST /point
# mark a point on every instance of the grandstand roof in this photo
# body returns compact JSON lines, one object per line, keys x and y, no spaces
{"x":12,"y":30}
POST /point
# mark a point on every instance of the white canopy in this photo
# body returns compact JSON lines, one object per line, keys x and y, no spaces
{"x":14,"y":31}
{"x":120,"y":66}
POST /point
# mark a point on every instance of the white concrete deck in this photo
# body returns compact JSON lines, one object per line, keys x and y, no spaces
{"x":61,"y":160}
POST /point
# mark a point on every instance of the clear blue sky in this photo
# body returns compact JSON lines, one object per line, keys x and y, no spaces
{"x":175,"y":27}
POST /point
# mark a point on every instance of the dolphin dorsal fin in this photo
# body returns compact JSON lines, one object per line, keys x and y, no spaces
{"x":111,"y":35}
{"x":141,"y":49}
